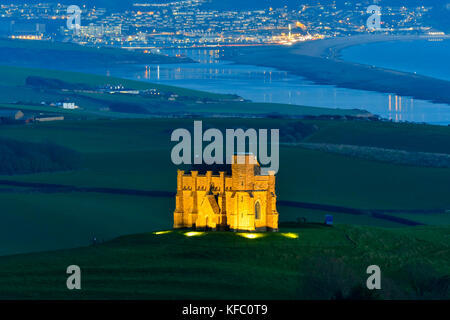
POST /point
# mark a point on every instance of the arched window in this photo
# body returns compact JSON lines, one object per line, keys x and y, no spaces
{"x":257,"y":210}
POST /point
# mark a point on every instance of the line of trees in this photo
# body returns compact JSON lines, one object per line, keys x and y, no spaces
{"x":18,"y":157}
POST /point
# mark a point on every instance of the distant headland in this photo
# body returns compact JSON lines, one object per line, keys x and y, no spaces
{"x":331,"y":48}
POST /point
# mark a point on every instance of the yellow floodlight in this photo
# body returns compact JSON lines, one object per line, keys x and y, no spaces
{"x":162,"y":232}
{"x":193,"y":234}
{"x":290,"y":235}
{"x":251,"y":235}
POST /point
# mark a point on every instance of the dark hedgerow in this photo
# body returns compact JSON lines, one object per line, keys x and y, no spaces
{"x":297,"y":131}
{"x":18,"y":157}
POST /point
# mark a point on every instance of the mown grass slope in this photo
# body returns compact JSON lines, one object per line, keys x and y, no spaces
{"x":322,"y":263}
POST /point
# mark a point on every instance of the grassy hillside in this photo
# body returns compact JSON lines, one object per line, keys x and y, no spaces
{"x":405,"y":136}
{"x":322,"y":263}
{"x":135,"y":155}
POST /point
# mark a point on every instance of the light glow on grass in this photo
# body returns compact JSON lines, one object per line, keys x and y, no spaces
{"x":193,"y":234}
{"x":162,"y":232}
{"x":290,"y":235}
{"x":251,"y":235}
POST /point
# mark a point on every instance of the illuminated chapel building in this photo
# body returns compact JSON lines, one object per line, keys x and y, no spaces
{"x":242,"y":201}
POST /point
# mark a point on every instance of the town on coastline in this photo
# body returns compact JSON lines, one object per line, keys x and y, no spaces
{"x":190,"y":23}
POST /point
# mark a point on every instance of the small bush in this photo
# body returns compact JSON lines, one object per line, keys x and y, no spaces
{"x":296,"y":131}
{"x":426,"y":283}
{"x":328,"y":278}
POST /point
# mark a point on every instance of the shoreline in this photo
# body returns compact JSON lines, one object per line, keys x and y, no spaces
{"x":319,"y":61}
{"x":331,"y":48}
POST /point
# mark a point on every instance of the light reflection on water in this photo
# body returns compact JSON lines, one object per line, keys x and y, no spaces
{"x":262,"y":84}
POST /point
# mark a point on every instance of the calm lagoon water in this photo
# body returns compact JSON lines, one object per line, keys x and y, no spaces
{"x":430,"y":58}
{"x":262,"y":84}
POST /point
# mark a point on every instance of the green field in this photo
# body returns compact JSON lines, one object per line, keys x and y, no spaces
{"x":135,"y":154}
{"x":121,"y":183}
{"x":322,"y":263}
{"x":437,"y":219}
{"x":405,"y":136}
{"x":48,"y":221}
